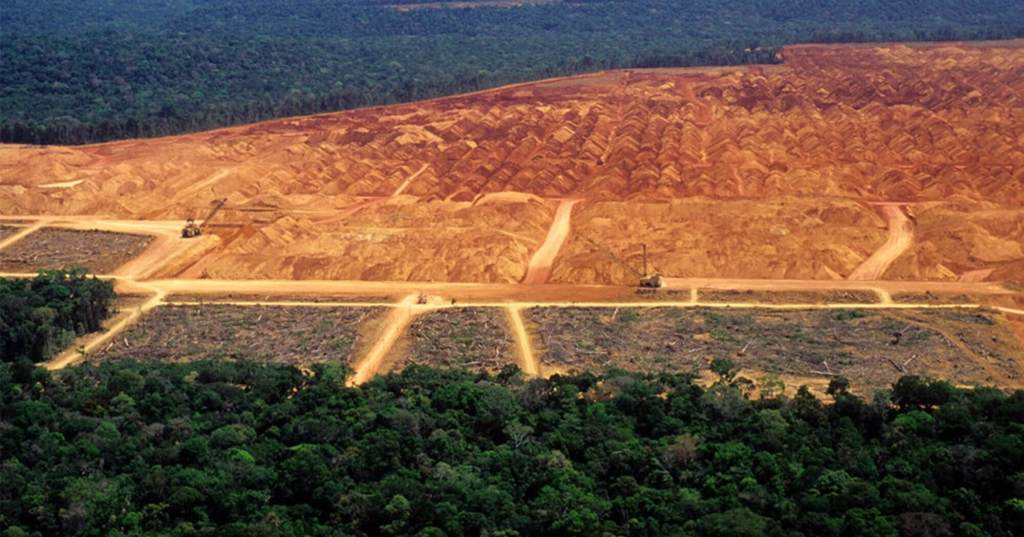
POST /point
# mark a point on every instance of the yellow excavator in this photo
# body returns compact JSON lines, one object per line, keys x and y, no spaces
{"x":192,"y":229}
{"x":646,"y":280}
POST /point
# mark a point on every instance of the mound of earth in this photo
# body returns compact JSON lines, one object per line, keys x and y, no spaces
{"x":758,"y":171}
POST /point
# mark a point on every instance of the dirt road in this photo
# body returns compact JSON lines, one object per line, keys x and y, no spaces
{"x":394,"y":325}
{"x":474,"y":293}
{"x":209,"y":182}
{"x":889,"y":286}
{"x":133,"y":278}
{"x":405,"y":184}
{"x":90,"y":343}
{"x":167,"y":250}
{"x":21,"y":234}
{"x":901,"y":236}
{"x":527,"y":361}
{"x":62,"y":184}
{"x":979,"y":275}
{"x":540,"y":265}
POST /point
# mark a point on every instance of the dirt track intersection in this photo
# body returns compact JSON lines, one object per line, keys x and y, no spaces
{"x":787,"y":328}
{"x":783,"y":195}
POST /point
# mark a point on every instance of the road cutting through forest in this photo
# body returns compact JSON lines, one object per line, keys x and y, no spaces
{"x":527,"y":361}
{"x":78,"y":353}
{"x":132,"y":278}
{"x":394,"y":325}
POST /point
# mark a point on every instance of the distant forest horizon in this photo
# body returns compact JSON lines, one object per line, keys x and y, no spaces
{"x":75,"y":72}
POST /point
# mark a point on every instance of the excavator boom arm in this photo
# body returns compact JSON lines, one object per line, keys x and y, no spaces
{"x":218,"y":205}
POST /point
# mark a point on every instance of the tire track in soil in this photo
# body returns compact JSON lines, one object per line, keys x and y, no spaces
{"x":901,"y":237}
{"x":395,"y":324}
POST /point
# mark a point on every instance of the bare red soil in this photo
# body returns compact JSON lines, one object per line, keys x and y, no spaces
{"x":747,"y":172}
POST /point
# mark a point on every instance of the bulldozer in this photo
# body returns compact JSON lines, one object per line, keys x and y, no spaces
{"x":192,"y":229}
{"x":645,"y":278}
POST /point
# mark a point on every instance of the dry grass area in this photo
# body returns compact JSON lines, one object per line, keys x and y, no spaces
{"x":930,"y":297}
{"x":469,"y":338}
{"x":7,"y":231}
{"x":661,"y":295}
{"x":788,"y":297}
{"x":871,"y":348}
{"x":292,"y":335}
{"x":52,"y":248}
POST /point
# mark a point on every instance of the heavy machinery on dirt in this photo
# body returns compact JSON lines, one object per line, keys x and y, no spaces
{"x":645,"y":279}
{"x":650,"y":280}
{"x":192,"y":229}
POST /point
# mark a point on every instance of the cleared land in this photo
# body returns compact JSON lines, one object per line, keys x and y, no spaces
{"x":470,"y":338}
{"x":765,"y":195}
{"x":788,"y":297}
{"x":775,"y":238}
{"x":937,"y":298}
{"x":390,"y":241}
{"x":738,"y":172}
{"x":293,"y":335}
{"x":871,"y":348}
{"x":962,"y":240}
{"x":51,"y":248}
{"x":7,"y":231}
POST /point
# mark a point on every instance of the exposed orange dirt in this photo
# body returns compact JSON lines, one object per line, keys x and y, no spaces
{"x":739,"y":172}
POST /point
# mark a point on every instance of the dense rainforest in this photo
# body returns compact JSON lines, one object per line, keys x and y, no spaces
{"x":243,"y":449}
{"x":77,"y":71}
{"x":42,"y":316}
{"x":240,"y":448}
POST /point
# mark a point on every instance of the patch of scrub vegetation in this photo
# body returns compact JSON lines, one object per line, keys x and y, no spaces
{"x":470,"y":338}
{"x":788,"y":297}
{"x":53,"y":248}
{"x":293,"y":335}
{"x":7,"y":231}
{"x":870,"y":347}
{"x":930,"y":297}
